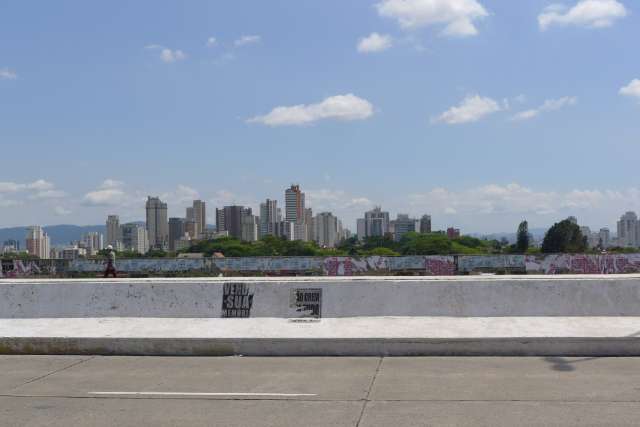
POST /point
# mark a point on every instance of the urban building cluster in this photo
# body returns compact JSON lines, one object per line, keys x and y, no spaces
{"x":297,"y":222}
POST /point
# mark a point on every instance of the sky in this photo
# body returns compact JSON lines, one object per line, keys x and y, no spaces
{"x":481,"y":113}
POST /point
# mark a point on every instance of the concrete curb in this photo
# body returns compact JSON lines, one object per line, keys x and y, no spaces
{"x":568,"y":347}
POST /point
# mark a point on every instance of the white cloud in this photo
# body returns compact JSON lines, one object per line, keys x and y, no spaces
{"x":247,"y":40}
{"x":471,"y":109}
{"x":183,"y":195}
{"x":513,"y":198}
{"x":374,"y":42}
{"x":585,"y":13}
{"x":211,"y":41}
{"x":549,"y":105}
{"x":111,"y":183}
{"x":48,"y":194}
{"x":632,"y":89}
{"x":341,"y":107}
{"x":7,"y":74}
{"x":13,"y":187}
{"x":337,"y":201}
{"x":169,"y":56}
{"x":61,"y":211}
{"x":457,"y":16}
{"x":109,"y":193}
{"x":106,"y":197}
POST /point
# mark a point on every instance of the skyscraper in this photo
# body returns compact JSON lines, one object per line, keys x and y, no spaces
{"x":93,"y":242}
{"x":376,"y":222}
{"x":425,"y":224}
{"x":135,"y":238}
{"x":176,"y":231}
{"x":309,"y":225}
{"x":326,"y":229}
{"x":113,"y":230}
{"x":38,"y":242}
{"x":403,"y":225}
{"x":268,"y":217}
{"x":200,"y":217}
{"x":220,"y":225}
{"x":628,"y":230}
{"x":157,"y":224}
{"x":230,"y":217}
{"x":294,"y":204}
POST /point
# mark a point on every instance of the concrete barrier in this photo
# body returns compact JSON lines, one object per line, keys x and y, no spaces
{"x":471,"y":296}
{"x":472,"y":315}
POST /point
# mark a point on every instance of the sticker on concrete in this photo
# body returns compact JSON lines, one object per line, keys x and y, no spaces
{"x":237,"y":300}
{"x":307,"y":302}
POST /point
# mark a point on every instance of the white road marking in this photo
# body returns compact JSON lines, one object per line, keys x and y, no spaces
{"x":169,"y":393}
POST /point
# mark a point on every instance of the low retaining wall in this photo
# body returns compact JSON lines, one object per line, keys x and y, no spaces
{"x":471,"y":296}
{"x":338,"y":266}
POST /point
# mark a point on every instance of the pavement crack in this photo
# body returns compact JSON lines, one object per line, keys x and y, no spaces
{"x":32,"y":380}
{"x":366,"y":398}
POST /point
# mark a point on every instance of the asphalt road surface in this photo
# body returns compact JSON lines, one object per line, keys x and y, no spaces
{"x":238,"y":391}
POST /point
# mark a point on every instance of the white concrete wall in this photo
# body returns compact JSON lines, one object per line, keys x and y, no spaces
{"x":611,"y":295}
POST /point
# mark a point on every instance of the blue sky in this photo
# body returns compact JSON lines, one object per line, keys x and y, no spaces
{"x":479,"y":112}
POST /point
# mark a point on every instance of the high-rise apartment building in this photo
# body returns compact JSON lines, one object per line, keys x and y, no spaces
{"x":93,"y":242}
{"x":326,"y":230}
{"x":113,"y":230}
{"x":249,"y":228}
{"x":220,"y":225}
{"x":425,"y":224}
{"x":157,"y":223}
{"x":294,"y":204}
{"x":177,"y":230}
{"x":403,"y":225}
{"x":200,"y":217}
{"x":628,"y":230}
{"x":38,"y":242}
{"x":135,"y":238}
{"x":229,"y":219}
{"x":268,"y":217}
{"x":376,"y":222}
{"x":309,"y":225}
{"x":604,"y":238}
{"x":361,"y":228}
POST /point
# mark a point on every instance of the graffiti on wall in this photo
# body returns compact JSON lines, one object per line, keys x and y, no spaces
{"x":339,"y":266}
{"x":583,"y":264}
{"x":19,"y":268}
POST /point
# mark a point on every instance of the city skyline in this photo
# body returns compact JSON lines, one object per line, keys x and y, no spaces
{"x":416,"y":109}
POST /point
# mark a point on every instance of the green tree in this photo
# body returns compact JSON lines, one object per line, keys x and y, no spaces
{"x":564,"y":237}
{"x":522,"y":242}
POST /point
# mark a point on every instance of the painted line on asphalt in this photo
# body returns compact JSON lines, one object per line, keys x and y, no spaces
{"x":169,"y":393}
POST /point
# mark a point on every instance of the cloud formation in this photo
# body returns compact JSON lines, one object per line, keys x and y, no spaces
{"x":109,"y":193}
{"x":457,"y":16}
{"x":211,"y":41}
{"x":340,"y":107}
{"x":632,"y":89}
{"x":7,"y":74}
{"x":547,"y":106}
{"x":585,"y":13}
{"x":471,"y":109}
{"x":494,"y":199}
{"x":247,"y":40}
{"x":374,"y":42}
{"x":168,"y":55}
